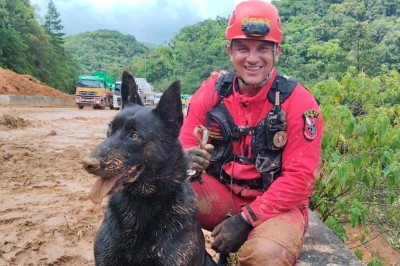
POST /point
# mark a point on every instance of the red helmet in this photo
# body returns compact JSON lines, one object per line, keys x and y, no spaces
{"x":255,"y":20}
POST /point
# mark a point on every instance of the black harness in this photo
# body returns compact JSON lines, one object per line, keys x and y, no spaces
{"x":268,"y":137}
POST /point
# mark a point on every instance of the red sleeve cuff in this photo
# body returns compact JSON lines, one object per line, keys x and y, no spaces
{"x":251,"y":216}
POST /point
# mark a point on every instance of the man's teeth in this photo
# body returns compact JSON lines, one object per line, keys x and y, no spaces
{"x":253,"y":68}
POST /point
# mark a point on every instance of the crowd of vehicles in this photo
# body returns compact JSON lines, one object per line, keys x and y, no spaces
{"x":185,"y":98}
{"x":101,"y":90}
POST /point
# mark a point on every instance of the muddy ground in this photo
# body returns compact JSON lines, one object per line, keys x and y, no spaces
{"x":46,"y":216}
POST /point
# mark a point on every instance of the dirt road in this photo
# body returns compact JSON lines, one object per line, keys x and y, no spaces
{"x":46,"y":217}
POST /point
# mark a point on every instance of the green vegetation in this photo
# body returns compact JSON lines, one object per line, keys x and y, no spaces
{"x":26,"y":47}
{"x":325,"y":37}
{"x":359,"y":179}
{"x":346,"y":51}
{"x":190,"y":56}
{"x":103,"y":50}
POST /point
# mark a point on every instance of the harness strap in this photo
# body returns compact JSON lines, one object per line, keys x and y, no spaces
{"x":239,"y":132}
{"x":224,"y":84}
{"x":285,"y":85}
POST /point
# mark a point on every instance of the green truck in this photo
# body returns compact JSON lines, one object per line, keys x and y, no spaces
{"x":95,"y":90}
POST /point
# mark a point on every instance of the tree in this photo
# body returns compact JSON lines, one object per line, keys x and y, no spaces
{"x":52,"y":22}
{"x":389,"y":48}
{"x":13,"y":51}
{"x":361,"y":47}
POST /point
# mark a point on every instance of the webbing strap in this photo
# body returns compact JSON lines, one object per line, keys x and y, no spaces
{"x":284,"y":84}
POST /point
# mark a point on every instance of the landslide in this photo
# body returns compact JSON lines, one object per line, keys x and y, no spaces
{"x":12,"y":83}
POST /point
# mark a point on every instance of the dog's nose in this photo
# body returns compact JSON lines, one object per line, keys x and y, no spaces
{"x":92,"y":165}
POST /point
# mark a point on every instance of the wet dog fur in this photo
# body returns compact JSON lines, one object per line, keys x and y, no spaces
{"x":151,"y":214}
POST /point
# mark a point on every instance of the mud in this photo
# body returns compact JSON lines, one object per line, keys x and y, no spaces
{"x":46,"y":216}
{"x":12,"y":83}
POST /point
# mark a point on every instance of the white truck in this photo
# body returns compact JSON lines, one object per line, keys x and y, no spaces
{"x":117,"y":96}
{"x":145,"y":89}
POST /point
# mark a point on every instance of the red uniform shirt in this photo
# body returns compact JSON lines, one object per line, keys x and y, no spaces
{"x":300,"y":157}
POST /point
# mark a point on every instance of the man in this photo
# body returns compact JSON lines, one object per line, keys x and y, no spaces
{"x":264,"y":146}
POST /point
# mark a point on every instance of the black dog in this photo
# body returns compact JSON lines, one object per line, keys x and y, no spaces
{"x":151,"y":215}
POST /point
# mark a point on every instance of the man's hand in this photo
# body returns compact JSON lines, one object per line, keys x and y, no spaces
{"x":230,"y":234}
{"x":199,"y":159}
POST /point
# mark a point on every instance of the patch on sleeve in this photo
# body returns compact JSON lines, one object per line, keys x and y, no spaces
{"x":310,"y":128}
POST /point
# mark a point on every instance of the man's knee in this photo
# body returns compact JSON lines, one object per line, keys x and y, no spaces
{"x":258,"y":251}
{"x":277,"y":241}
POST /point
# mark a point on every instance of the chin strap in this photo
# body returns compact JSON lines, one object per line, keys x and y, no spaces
{"x":259,"y":85}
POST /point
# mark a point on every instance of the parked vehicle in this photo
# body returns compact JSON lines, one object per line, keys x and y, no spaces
{"x":96,"y":90}
{"x":185,"y":99}
{"x":157,"y":98}
{"x":117,"y":96}
{"x":146,"y":91}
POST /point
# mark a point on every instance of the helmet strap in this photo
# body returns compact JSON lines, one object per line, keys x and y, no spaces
{"x":274,"y":52}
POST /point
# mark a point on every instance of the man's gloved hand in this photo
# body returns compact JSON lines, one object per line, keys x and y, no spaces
{"x":199,"y":159}
{"x":230,"y":234}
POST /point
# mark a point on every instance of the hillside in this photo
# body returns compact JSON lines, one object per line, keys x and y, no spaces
{"x":12,"y":83}
{"x":103,"y":50}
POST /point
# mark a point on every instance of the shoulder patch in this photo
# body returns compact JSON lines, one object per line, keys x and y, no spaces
{"x":310,"y":120}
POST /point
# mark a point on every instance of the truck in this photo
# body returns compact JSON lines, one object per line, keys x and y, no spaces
{"x":95,"y":90}
{"x":185,"y":98}
{"x":117,"y":103}
{"x":157,"y":98}
{"x":145,"y":89}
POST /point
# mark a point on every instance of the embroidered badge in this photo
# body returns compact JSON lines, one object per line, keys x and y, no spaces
{"x":214,"y":131}
{"x":310,"y":129}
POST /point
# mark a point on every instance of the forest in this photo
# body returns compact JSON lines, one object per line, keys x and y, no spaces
{"x":346,"y":52}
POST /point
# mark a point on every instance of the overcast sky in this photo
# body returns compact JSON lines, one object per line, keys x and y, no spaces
{"x":155,"y":21}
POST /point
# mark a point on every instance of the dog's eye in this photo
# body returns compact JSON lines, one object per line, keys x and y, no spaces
{"x":110,"y":125}
{"x":135,"y":136}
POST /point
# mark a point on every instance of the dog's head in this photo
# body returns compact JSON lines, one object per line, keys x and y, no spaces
{"x":142,"y":150}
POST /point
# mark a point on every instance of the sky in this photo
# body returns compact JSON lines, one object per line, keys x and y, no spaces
{"x":154,"y":21}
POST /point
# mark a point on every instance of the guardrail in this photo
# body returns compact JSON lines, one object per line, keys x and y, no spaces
{"x":35,"y":100}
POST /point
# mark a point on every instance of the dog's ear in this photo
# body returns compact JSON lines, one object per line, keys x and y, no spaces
{"x":170,"y":107}
{"x":129,"y":91}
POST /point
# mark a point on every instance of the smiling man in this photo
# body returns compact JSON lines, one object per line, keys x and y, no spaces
{"x":265,"y":129}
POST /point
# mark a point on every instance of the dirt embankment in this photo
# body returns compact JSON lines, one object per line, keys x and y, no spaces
{"x":12,"y":83}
